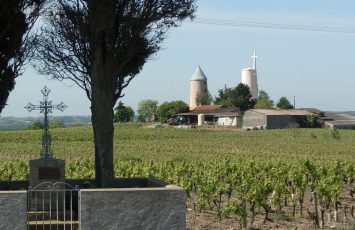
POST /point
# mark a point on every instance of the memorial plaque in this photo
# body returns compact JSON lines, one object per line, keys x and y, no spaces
{"x":47,"y":173}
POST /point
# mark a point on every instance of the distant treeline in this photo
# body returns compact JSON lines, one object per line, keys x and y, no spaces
{"x":19,"y":123}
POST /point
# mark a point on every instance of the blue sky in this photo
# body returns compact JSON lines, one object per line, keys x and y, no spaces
{"x":317,"y":68}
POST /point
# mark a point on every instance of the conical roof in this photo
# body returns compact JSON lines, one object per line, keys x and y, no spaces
{"x":198,"y":75}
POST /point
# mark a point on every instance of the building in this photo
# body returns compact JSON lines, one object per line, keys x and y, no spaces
{"x":198,"y":85}
{"x":249,"y":78}
{"x":339,"y":120}
{"x":273,"y":118}
{"x":212,"y":114}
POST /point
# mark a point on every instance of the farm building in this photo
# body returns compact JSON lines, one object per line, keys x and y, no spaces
{"x":212,"y":114}
{"x":273,"y":118}
{"x":339,"y":121}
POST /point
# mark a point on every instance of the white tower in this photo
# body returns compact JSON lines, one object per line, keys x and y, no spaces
{"x":198,"y":84}
{"x":249,"y":77}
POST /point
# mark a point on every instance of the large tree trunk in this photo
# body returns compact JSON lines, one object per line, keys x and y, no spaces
{"x":102,"y":89}
{"x":102,"y":122}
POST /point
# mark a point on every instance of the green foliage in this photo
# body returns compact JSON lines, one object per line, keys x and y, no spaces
{"x":242,"y":97}
{"x":263,"y":95}
{"x":17,"y":18}
{"x":56,"y":124}
{"x":335,"y":134}
{"x":52,"y":125}
{"x":123,"y":113}
{"x":284,"y":103}
{"x":204,"y":98}
{"x":224,"y":97}
{"x":147,"y":110}
{"x":314,"y":121}
{"x":219,"y":179}
{"x":36,"y":125}
{"x":168,"y":110}
{"x":264,"y":101}
{"x":263,"y":104}
{"x":239,"y":97}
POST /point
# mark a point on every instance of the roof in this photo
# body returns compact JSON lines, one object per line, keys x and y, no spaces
{"x":312,"y":110}
{"x":341,"y":123}
{"x":338,"y":116}
{"x":198,"y":75}
{"x":207,"y":107}
{"x":212,"y":110}
{"x":282,"y":112}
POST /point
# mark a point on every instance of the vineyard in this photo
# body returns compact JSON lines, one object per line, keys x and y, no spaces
{"x":233,"y":179}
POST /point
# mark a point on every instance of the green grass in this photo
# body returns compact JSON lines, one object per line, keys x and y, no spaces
{"x":133,"y":141}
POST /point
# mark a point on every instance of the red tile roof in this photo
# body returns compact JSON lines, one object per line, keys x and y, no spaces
{"x":207,"y":107}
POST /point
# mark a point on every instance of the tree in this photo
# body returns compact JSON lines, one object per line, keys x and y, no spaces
{"x":123,"y":113}
{"x":102,"y":45}
{"x":147,"y":109}
{"x":17,"y":18}
{"x":264,"y":101}
{"x":224,"y":97}
{"x":284,"y":103}
{"x":264,"y":95}
{"x":239,"y":96}
{"x":203,"y":98}
{"x":263,"y":104}
{"x":168,"y":110}
{"x":242,"y":97}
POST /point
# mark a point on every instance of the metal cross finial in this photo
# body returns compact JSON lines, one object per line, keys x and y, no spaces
{"x":254,"y":60}
{"x":46,"y":107}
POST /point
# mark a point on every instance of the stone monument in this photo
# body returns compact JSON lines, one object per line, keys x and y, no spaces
{"x":46,"y":168}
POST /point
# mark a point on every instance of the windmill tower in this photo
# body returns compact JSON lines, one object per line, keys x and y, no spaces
{"x":198,"y":84}
{"x":249,"y":77}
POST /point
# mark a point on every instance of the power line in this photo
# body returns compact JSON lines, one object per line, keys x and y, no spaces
{"x":277,"y":26}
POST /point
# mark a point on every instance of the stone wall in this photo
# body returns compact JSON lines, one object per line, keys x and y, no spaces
{"x":13,"y":210}
{"x":253,"y":119}
{"x":133,"y":208}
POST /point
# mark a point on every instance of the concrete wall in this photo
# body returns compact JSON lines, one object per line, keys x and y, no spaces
{"x":253,"y":119}
{"x":13,"y":210}
{"x":133,"y":208}
{"x":227,"y":121}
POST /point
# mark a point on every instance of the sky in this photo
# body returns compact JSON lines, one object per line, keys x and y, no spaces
{"x":317,"y":68}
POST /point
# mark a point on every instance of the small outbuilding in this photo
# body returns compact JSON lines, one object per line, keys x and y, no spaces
{"x":212,"y":114}
{"x":273,"y":118}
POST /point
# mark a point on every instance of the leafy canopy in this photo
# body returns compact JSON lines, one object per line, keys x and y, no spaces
{"x":168,"y":110}
{"x":123,"y":113}
{"x":16,"y":20}
{"x":147,"y":109}
{"x":284,"y":103}
{"x":204,"y":98}
{"x":264,"y":101}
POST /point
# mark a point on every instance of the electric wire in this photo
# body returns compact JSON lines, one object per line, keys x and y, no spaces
{"x":277,"y":26}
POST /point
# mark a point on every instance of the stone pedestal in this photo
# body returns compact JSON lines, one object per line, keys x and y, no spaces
{"x":44,"y":173}
{"x":46,"y":170}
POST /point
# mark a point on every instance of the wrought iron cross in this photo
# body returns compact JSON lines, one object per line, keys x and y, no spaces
{"x":46,"y":107}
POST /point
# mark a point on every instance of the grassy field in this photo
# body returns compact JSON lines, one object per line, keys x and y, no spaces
{"x":134,"y":141}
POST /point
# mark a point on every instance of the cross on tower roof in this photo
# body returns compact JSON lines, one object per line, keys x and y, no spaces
{"x":46,"y":107}
{"x":254,"y":60}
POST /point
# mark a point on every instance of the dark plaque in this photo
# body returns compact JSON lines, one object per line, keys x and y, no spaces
{"x":47,"y":173}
